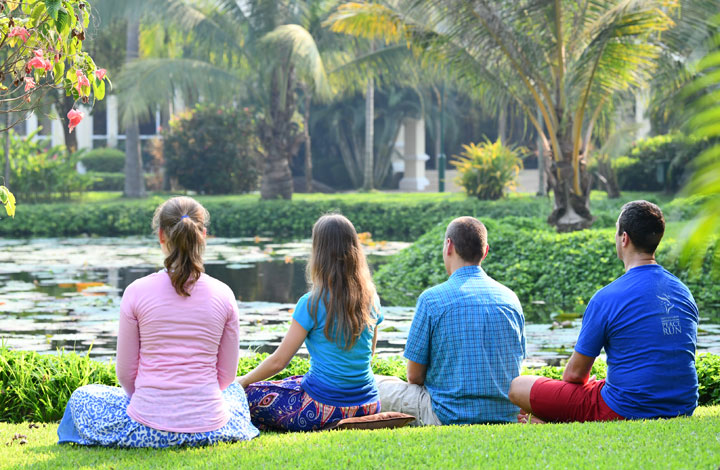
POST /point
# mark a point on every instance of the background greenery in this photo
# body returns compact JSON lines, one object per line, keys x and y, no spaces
{"x":36,"y":387}
{"x":550,"y":272}
{"x":246,"y":216}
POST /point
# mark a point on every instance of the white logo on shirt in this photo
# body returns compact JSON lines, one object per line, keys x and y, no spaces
{"x":670,"y":323}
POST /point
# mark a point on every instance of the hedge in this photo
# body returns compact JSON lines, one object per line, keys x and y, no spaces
{"x":392,"y":217}
{"x":36,"y":387}
{"x":550,"y":272}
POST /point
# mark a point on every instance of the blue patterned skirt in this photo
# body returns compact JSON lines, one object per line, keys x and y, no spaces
{"x":282,"y":405}
{"x":97,"y":415}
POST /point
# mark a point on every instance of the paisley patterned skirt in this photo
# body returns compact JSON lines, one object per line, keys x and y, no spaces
{"x":281,"y":405}
{"x":97,"y":415}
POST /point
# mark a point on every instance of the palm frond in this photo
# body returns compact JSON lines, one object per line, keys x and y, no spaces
{"x":147,"y":84}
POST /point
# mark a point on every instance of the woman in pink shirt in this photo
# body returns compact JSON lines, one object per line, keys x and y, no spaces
{"x":177,"y":353}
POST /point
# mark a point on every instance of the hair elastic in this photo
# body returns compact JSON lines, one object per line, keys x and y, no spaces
{"x":185,"y":216}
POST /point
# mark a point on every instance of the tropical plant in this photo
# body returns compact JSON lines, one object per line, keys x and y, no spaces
{"x":487,"y":170}
{"x":212,"y":150}
{"x":563,"y":58}
{"x":42,"y":172}
{"x":705,"y":94}
{"x":257,"y":52}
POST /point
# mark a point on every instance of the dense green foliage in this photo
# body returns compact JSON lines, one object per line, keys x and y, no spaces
{"x":41,"y":172}
{"x":672,"y":154}
{"x":246,"y":216}
{"x":106,"y":159}
{"x":212,"y":150}
{"x":36,"y":387}
{"x":106,"y":181}
{"x":550,"y":272}
{"x":487,"y":170}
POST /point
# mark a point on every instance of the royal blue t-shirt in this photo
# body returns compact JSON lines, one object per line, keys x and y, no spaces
{"x":337,"y":377}
{"x":647,"y":322}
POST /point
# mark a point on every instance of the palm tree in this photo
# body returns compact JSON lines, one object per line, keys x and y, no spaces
{"x":563,"y":58}
{"x":704,"y":92}
{"x":256,"y":50}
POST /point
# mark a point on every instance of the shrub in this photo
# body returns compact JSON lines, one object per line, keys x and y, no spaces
{"x":247,"y":216}
{"x":549,"y":272}
{"x":212,"y":150}
{"x":104,"y":181}
{"x":41,"y":172}
{"x":36,"y":387}
{"x":104,"y":160}
{"x":673,"y":153}
{"x":488,"y":169}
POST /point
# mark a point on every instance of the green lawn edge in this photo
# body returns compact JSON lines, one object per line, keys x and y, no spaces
{"x":673,"y":443}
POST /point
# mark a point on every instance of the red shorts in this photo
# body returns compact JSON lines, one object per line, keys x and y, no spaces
{"x":558,"y":401}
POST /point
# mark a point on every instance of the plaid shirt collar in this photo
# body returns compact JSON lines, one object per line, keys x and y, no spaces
{"x":468,"y":271}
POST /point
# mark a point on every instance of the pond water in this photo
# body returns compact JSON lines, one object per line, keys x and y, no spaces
{"x":65,"y":293}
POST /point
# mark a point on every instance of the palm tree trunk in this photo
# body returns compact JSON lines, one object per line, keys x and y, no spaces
{"x":279,"y":137}
{"x":308,"y":143}
{"x":571,"y":211}
{"x":502,"y":125}
{"x":369,"y":135}
{"x":134,"y":178}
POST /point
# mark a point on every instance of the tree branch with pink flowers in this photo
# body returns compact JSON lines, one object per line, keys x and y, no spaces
{"x":41,"y":49}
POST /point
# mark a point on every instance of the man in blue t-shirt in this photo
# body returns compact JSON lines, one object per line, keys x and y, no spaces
{"x":466,"y":341}
{"x":647,"y":322}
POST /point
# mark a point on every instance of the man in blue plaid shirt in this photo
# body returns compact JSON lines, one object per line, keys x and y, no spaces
{"x":466,"y":342}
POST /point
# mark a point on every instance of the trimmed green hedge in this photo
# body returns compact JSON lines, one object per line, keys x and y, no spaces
{"x":550,"y":272}
{"x":387,"y":217}
{"x":36,"y":387}
{"x":106,"y":181}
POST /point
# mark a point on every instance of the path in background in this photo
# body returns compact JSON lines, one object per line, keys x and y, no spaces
{"x":527,"y":181}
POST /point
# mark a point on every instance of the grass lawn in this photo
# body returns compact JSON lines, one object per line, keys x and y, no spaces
{"x":677,"y":443}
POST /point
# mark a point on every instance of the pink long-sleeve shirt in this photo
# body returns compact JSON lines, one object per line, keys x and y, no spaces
{"x":175,"y":354}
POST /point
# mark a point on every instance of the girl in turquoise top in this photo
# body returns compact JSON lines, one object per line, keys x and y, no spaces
{"x":338,"y":322}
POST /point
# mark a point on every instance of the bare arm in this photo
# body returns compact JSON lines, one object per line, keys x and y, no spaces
{"x":374,"y":343}
{"x":128,"y":353}
{"x":578,"y":368}
{"x":416,"y":372}
{"x":278,"y":360}
{"x":228,"y":353}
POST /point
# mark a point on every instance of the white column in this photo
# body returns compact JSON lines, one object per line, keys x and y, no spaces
{"x":642,"y":100}
{"x":31,"y":124}
{"x":57,"y":135}
{"x":112,"y":121}
{"x":85,"y":130}
{"x":415,"y":156}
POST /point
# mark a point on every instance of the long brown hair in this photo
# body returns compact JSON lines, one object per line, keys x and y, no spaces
{"x":183,"y":221}
{"x":341,"y":278}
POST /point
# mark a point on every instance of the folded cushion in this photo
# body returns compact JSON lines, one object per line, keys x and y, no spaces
{"x":385,"y":420}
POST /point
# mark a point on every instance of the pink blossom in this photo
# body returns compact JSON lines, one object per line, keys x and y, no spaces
{"x":74,"y":116}
{"x":100,"y":74}
{"x":29,"y":84}
{"x":19,"y":31}
{"x":39,"y":62}
{"x":82,"y":81}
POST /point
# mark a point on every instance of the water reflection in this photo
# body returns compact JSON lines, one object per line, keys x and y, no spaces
{"x":65,"y":293}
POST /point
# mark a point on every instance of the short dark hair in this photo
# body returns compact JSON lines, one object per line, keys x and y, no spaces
{"x":644,"y":223}
{"x":469,"y":236}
